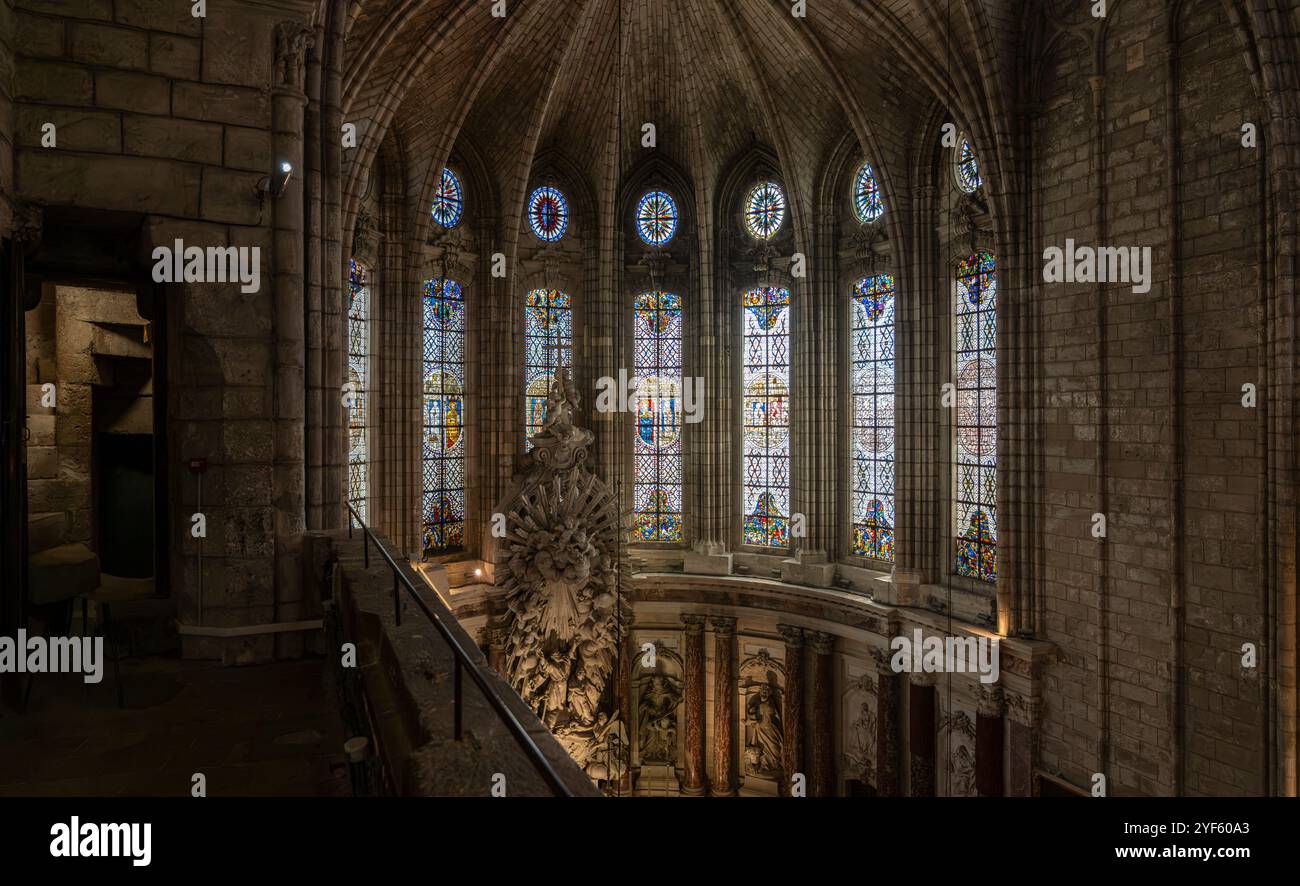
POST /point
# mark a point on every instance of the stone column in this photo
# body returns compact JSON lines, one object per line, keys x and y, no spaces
{"x":988,"y":743}
{"x":288,"y":104}
{"x":724,"y":706}
{"x":822,"y":739}
{"x":815,"y":371}
{"x":693,"y":774}
{"x":889,"y":695}
{"x":917,"y":422}
{"x":1023,"y":713}
{"x":792,"y":716}
{"x":921,"y":738}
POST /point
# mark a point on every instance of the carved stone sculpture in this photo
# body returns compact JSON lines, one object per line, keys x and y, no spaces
{"x":764,"y":730}
{"x":566,"y":612}
{"x":658,"y":699}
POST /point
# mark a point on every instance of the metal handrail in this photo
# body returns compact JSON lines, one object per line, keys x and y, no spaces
{"x":462,"y":662}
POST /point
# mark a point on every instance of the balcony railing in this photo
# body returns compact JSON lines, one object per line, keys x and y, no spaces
{"x":463,"y":664}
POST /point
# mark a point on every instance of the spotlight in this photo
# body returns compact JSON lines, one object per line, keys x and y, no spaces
{"x":275,"y":188}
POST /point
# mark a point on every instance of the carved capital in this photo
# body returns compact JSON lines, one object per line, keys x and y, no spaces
{"x":292,"y":39}
{"x":1022,"y":709}
{"x":694,"y":624}
{"x":882,"y":659}
{"x":822,"y":643}
{"x":792,"y":635}
{"x":724,"y":626}
{"x":921,"y":678}
{"x":990,"y":701}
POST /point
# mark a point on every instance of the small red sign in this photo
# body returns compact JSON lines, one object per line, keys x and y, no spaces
{"x":198,"y":465}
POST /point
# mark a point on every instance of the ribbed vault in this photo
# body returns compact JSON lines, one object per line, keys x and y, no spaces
{"x":715,"y":77}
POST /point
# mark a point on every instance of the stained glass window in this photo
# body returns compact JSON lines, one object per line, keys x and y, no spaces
{"x":448,"y":200}
{"x":548,"y":214}
{"x":873,"y":417}
{"x":764,"y":210}
{"x":766,"y":421}
{"x":443,"y":501}
{"x":548,"y":344}
{"x":966,"y":167}
{"x":975,"y":489}
{"x":657,"y":446}
{"x":656,"y":218}
{"x":359,"y":379}
{"x":867,"y":202}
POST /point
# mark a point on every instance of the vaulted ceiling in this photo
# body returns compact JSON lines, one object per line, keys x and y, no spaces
{"x":575,"y":80}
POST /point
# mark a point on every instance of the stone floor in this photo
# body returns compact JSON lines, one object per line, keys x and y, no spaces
{"x":270,"y":730}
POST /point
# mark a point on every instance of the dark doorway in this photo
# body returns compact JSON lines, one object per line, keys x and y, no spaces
{"x":125,"y":506}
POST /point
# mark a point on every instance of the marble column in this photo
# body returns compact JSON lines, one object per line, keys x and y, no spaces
{"x":822,"y":740}
{"x":988,"y":743}
{"x":921,"y":726}
{"x":792,"y":717}
{"x":889,"y":695}
{"x":724,"y":706}
{"x":1022,"y":712}
{"x":693,"y":775}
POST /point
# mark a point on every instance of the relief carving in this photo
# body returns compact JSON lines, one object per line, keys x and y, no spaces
{"x":566,"y":611}
{"x":659,"y":695}
{"x":761,"y":679}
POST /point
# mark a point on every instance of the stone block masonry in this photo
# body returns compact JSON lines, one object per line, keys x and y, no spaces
{"x":165,"y":117}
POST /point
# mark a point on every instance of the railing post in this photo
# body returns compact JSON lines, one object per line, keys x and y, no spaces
{"x":458,"y":699}
{"x":365,"y":545}
{"x":397,"y":599}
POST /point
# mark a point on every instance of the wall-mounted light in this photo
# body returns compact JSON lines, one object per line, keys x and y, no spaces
{"x":274,"y":187}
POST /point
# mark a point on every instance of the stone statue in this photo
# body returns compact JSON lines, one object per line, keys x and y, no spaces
{"x":566,"y":613}
{"x":764,"y":735}
{"x":861,"y":752}
{"x":658,"y":699}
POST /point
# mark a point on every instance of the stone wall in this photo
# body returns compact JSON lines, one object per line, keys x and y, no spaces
{"x":1144,"y":415}
{"x":167,"y":121}
{"x":73,"y":337}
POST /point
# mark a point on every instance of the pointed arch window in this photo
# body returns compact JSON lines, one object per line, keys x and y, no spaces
{"x":657,"y":443}
{"x":872,"y":381}
{"x":443,"y":443}
{"x":548,"y":346}
{"x":765,"y":424}
{"x":359,"y":380}
{"x":975,"y":434}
